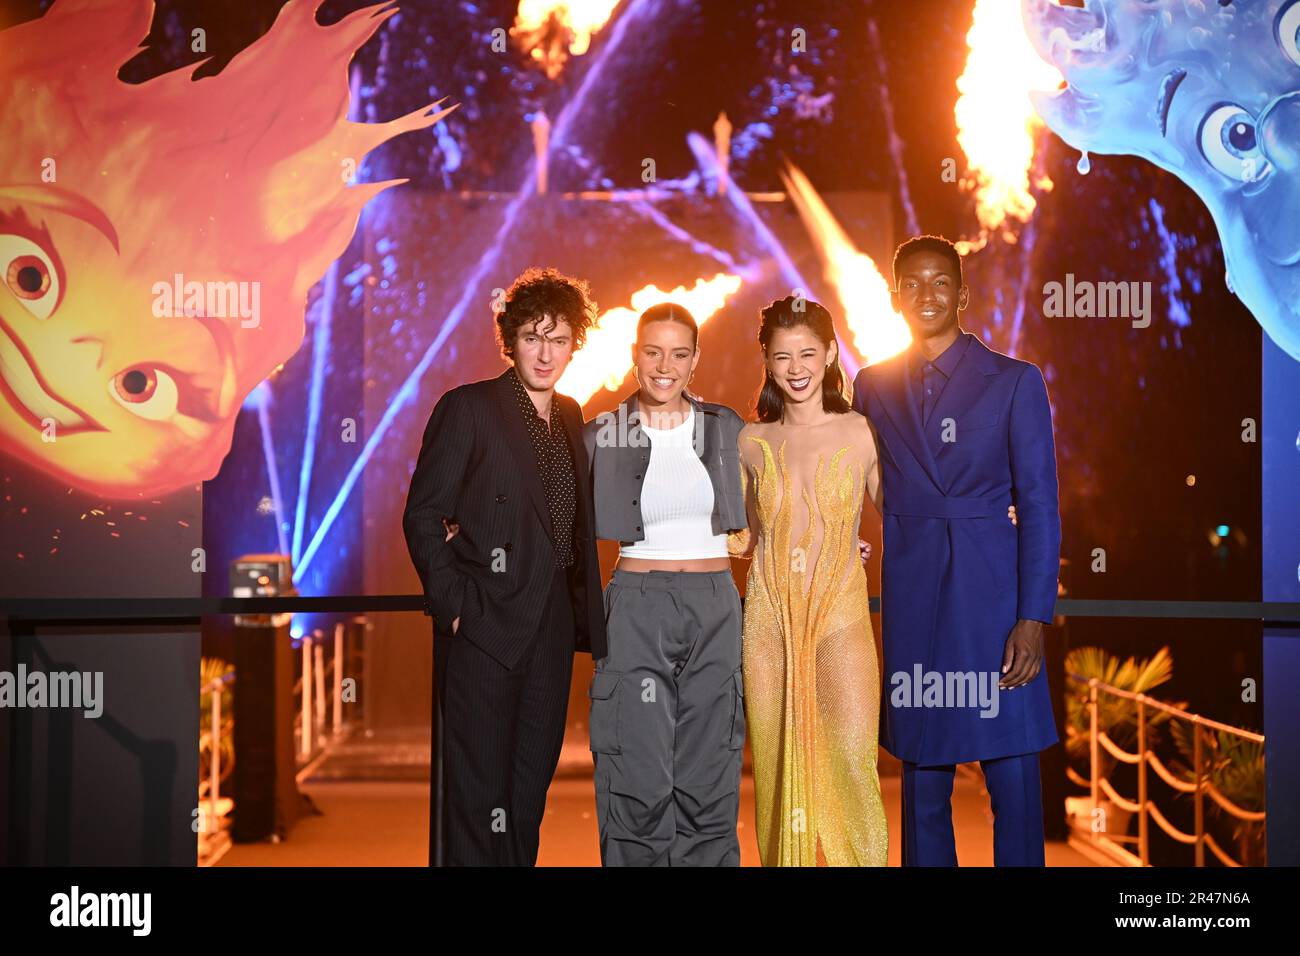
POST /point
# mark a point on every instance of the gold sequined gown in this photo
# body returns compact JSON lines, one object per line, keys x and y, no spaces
{"x":812,"y":684}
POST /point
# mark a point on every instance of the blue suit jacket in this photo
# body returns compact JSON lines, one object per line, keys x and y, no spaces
{"x":956,"y":574}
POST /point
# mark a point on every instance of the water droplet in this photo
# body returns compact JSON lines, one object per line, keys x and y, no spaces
{"x":1084,"y":166}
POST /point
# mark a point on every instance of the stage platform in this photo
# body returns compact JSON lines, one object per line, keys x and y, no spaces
{"x":373,"y":795}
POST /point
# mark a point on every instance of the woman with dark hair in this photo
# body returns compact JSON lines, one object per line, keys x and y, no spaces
{"x":812,"y":685}
{"x":667,"y":708}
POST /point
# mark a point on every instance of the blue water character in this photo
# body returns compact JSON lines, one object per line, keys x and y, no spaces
{"x":1208,"y":90}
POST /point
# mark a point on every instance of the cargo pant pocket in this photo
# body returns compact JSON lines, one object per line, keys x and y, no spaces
{"x":737,"y":741}
{"x":604,"y":724}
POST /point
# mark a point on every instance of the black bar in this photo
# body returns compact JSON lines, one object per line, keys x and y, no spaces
{"x":82,"y":609}
{"x":1284,"y":612}
{"x":188,"y":610}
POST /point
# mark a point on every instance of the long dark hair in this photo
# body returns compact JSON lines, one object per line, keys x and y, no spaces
{"x":790,"y":313}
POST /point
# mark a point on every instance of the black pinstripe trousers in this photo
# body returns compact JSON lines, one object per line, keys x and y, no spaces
{"x":502,"y":729}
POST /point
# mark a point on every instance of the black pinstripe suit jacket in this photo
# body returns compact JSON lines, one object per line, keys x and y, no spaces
{"x":477,"y":467}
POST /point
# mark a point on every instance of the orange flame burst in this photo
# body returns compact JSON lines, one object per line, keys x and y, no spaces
{"x":606,"y":358}
{"x":997,"y":126}
{"x":878,"y":331}
{"x":550,"y":31}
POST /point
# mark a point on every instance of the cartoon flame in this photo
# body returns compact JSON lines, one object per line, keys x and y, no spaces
{"x":997,"y":126}
{"x":550,"y":31}
{"x":109,"y":191}
{"x":878,"y":331}
{"x":606,"y":357}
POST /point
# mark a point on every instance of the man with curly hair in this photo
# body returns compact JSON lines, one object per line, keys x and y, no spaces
{"x":500,"y":526}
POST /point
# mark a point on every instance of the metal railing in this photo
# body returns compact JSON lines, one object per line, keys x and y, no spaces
{"x":310,"y":722}
{"x":191,"y":609}
{"x":24,"y":614}
{"x":313,"y":730}
{"x":214,"y":837}
{"x":1109,"y":845}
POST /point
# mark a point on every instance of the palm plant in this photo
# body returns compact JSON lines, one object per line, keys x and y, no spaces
{"x":1116,"y":716}
{"x":210,"y":669}
{"x":1235,"y":767}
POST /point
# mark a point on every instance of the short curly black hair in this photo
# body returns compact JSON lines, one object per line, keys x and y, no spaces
{"x":937,"y":244}
{"x":539,"y":293}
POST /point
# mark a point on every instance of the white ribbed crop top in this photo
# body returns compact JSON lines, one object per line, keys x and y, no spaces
{"x":676,"y":500}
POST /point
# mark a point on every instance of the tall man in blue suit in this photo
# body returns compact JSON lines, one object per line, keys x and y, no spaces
{"x":964,"y":432}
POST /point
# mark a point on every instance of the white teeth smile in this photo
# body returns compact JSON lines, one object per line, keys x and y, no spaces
{"x":662,"y":382}
{"x":799,"y":383}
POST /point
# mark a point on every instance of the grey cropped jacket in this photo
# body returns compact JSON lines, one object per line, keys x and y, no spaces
{"x":619,"y":452}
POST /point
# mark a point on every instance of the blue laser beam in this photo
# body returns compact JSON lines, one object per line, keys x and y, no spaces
{"x":705,"y":156}
{"x":408,"y":389}
{"x":268,"y":453}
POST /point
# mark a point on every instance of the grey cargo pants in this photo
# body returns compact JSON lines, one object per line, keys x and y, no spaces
{"x":668,"y":720}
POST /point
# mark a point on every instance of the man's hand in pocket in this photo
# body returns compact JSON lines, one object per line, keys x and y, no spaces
{"x":452,"y":527}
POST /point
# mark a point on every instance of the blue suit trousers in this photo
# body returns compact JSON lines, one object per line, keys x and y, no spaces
{"x":1016,"y":795}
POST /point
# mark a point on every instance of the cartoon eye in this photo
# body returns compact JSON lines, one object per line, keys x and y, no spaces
{"x":1229,"y":141}
{"x":145,"y":390}
{"x":29,"y":274}
{"x":1288,"y":31}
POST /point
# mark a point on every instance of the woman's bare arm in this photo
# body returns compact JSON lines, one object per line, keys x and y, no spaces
{"x":741,"y":544}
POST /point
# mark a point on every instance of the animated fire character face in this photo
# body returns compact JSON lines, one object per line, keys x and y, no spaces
{"x":1208,"y":90}
{"x":158,"y":241}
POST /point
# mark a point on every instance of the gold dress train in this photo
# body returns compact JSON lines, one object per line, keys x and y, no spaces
{"x":812,"y":684}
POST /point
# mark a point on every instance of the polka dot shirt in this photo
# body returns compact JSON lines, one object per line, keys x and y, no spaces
{"x":555,"y":465}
